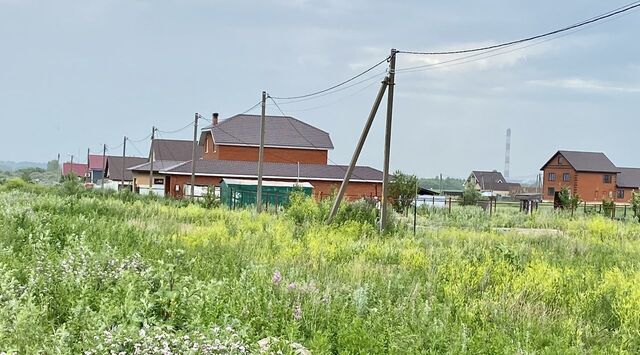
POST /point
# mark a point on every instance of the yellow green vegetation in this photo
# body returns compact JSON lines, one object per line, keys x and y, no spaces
{"x":95,"y":274}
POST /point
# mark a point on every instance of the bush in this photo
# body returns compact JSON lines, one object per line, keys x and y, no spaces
{"x":15,"y":184}
{"x":568,"y":201}
{"x":635,"y":205}
{"x":209,"y":200}
{"x":608,"y":207}
{"x":470,"y":196}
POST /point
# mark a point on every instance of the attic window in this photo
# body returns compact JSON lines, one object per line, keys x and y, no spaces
{"x":559,"y":160}
{"x":206,"y":145}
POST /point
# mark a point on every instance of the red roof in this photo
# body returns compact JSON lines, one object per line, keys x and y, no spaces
{"x":76,"y":168}
{"x":96,"y":162}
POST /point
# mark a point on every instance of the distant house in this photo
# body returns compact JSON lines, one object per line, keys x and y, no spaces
{"x":114,"y":168}
{"x":591,"y":175}
{"x":492,"y":183}
{"x":96,"y":167}
{"x":78,"y":169}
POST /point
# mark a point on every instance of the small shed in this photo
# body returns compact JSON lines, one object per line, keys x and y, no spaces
{"x":242,"y":192}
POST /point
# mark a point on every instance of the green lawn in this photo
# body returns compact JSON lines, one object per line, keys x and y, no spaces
{"x":108,"y":274}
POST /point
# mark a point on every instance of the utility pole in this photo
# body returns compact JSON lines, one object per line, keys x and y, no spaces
{"x":193,"y":156}
{"x":88,"y":167}
{"x":387,"y":141}
{"x":104,"y":166}
{"x":124,"y":150}
{"x":356,"y":153}
{"x":59,"y":168}
{"x":153,"y":136}
{"x":441,"y":184}
{"x":261,"y":153}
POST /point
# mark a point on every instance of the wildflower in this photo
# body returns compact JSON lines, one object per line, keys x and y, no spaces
{"x":297,"y":312}
{"x":292,"y":286}
{"x":277,"y":277}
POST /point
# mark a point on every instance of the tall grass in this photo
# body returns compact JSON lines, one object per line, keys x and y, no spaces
{"x":87,"y":273}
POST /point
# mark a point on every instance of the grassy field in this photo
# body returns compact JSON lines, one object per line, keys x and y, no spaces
{"x":91,"y":274}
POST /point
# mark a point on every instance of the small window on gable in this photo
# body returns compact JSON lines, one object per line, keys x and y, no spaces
{"x":206,"y":145}
{"x":559,"y":160}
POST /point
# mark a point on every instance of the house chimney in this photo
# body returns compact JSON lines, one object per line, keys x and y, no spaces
{"x":215,"y":118}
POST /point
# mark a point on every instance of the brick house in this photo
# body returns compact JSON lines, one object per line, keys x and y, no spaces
{"x":287,"y":140}
{"x":628,"y":182}
{"x":591,"y":175}
{"x":294,"y":151}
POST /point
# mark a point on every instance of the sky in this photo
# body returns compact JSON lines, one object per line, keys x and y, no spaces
{"x":79,"y":74}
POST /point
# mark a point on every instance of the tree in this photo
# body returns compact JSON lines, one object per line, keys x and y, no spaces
{"x":53,"y":166}
{"x":470,"y":196}
{"x":402,"y":190}
{"x":568,"y":201}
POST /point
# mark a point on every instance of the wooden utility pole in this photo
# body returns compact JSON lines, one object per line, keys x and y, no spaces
{"x":153,"y":136}
{"x":387,"y":142}
{"x":193,"y":156}
{"x":261,"y":153}
{"x":356,"y":153}
{"x":124,"y":151}
{"x":59,"y":168}
{"x":104,"y":166}
{"x":88,"y":167}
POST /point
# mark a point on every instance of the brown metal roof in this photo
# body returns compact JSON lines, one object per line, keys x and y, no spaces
{"x":247,"y":169}
{"x":176,"y":150}
{"x":493,"y":180}
{"x":158,"y":165}
{"x":114,"y":167}
{"x":629,"y":177}
{"x":280,"y":131}
{"x":586,"y":161}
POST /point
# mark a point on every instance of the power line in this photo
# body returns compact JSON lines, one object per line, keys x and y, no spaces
{"x":334,"y":86}
{"x":483,"y":55}
{"x":606,"y":15}
{"x":335,"y":101}
{"x":308,"y":141}
{"x":177,"y":130}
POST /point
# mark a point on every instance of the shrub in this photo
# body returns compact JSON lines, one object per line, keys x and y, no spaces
{"x":608,"y":207}
{"x":15,"y":184}
{"x":209,"y":200}
{"x":470,"y":196}
{"x":568,"y":201}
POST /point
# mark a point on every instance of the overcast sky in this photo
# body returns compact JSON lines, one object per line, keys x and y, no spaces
{"x":76,"y":74}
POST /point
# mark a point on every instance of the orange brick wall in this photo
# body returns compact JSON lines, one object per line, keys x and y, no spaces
{"x":274,"y":155}
{"x":321,"y":189}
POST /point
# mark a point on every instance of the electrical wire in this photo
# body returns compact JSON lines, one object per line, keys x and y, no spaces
{"x":335,"y":101}
{"x":601,"y":17}
{"x":483,"y":55}
{"x":375,"y":76}
{"x":334,"y":86}
{"x":353,"y":173}
{"x":177,"y":130}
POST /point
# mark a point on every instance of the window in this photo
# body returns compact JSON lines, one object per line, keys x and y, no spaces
{"x":551,"y":191}
{"x":559,"y":160}
{"x":552,"y":176}
{"x":206,"y":145}
{"x":607,"y":179}
{"x":620,"y":193}
{"x":566,"y":177}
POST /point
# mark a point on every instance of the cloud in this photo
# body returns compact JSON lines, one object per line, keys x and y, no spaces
{"x":586,"y":85}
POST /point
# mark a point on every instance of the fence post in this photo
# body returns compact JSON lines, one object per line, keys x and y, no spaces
{"x":449,"y":205}
{"x":613,"y":211}
{"x":415,"y":215}
{"x":625,"y":211}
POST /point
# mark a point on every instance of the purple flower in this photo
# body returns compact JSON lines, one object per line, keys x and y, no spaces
{"x":292,"y":286}
{"x":297,"y":312}
{"x":277,"y":277}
